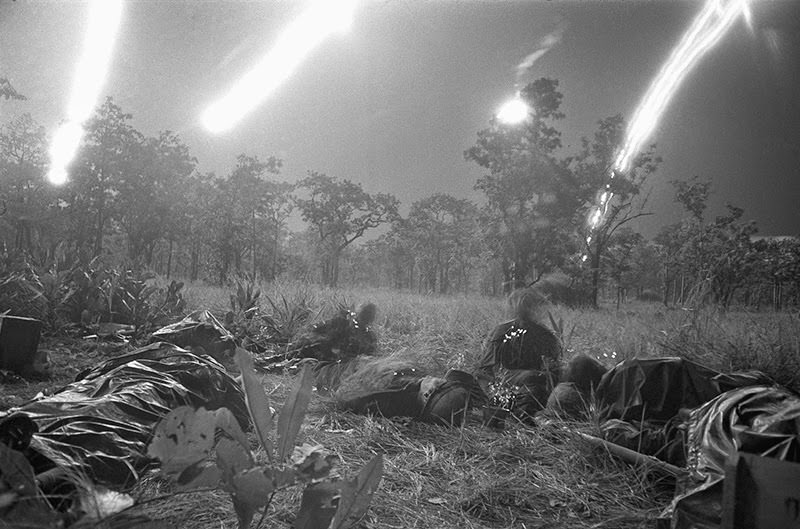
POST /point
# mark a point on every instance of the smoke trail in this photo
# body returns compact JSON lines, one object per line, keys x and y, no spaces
{"x":546,"y":44}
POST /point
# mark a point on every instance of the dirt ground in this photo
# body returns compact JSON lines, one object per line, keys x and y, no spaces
{"x":67,"y":357}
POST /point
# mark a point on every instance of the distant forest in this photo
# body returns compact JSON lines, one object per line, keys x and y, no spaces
{"x":135,"y":202}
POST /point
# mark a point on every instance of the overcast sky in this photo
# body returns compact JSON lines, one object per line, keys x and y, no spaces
{"x":394,"y":102}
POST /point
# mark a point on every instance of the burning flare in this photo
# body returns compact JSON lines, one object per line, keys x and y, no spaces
{"x":322,"y":19}
{"x":513,"y":111}
{"x":705,"y":31}
{"x":104,"y":18}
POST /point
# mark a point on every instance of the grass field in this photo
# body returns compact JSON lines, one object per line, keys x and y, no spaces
{"x":526,"y":477}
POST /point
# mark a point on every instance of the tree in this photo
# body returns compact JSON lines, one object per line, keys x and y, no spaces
{"x":111,"y":150}
{"x":197,"y":223}
{"x":252,"y":205}
{"x":681,"y":244}
{"x":693,"y":195}
{"x":394,"y":253}
{"x":22,"y":173}
{"x":729,"y":251}
{"x":592,"y":168}
{"x":264,"y":203}
{"x":7,"y":91}
{"x":715,"y":256}
{"x":775,"y":263}
{"x":150,"y":203}
{"x":441,"y":230}
{"x":645,"y":269}
{"x":620,"y":259}
{"x":530,"y":203}
{"x":341,"y":212}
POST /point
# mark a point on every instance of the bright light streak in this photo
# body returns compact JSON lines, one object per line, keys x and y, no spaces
{"x":706,"y":30}
{"x":62,"y":149}
{"x":90,"y":73}
{"x":748,"y":17}
{"x":322,"y":19}
{"x":513,"y":111}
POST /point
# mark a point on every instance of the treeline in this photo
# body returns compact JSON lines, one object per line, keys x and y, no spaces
{"x":139,"y":202}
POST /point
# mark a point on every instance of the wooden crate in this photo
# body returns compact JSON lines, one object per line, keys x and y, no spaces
{"x":761,"y":493}
{"x":19,"y":339}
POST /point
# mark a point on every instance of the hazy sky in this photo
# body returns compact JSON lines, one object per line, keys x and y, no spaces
{"x":394,"y":103}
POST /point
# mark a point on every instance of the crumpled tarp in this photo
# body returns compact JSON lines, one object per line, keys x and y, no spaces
{"x":672,"y":407}
{"x":643,"y":403}
{"x":639,"y":402}
{"x":198,"y":329}
{"x":101,"y":423}
{"x":762,"y":420}
{"x":654,"y":388}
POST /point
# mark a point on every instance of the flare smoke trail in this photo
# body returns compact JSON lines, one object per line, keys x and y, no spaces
{"x":546,"y":44}
{"x":516,"y":110}
{"x":706,"y":30}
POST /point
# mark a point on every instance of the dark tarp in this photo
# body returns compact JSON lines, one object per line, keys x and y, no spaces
{"x":101,"y":423}
{"x":639,"y":402}
{"x":654,"y":389}
{"x":198,"y":329}
{"x":761,"y":420}
{"x":663,"y":406}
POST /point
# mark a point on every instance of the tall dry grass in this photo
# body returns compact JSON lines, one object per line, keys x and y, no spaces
{"x":447,"y":331}
{"x":544,"y":476}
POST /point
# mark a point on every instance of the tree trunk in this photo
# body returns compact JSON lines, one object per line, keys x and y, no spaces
{"x":325,"y":271}
{"x":195,"y":262}
{"x":335,"y":269}
{"x":169,"y":259}
{"x":508,"y":277}
{"x":274,"y":272}
{"x":595,"y":279}
{"x":23,"y":235}
{"x":98,"y":234}
{"x":683,"y":289}
{"x":253,"y":243}
{"x":223,"y":269}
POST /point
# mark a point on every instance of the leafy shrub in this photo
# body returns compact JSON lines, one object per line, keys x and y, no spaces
{"x":129,"y":297}
{"x":199,"y":449}
{"x":19,"y":286}
{"x":86,"y":294}
{"x":243,"y":320}
{"x":244,"y":303}
{"x":135,"y":301}
{"x":287,"y":317}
